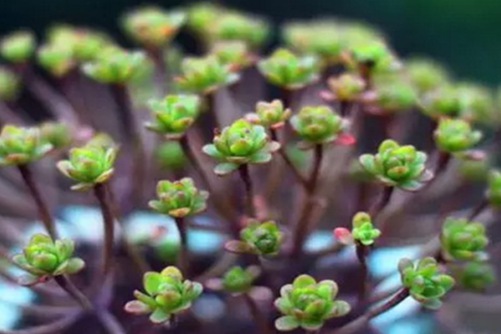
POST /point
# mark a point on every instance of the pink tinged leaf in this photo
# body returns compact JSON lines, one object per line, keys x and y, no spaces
{"x":343,"y":235}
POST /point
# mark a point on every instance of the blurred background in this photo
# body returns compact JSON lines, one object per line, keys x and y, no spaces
{"x":463,"y":34}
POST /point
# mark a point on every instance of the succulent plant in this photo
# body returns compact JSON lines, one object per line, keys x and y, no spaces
{"x":151,"y":26}
{"x":317,"y":125}
{"x":475,"y":276}
{"x":363,"y":231}
{"x":56,"y":134}
{"x":18,"y":47}
{"x":308,"y":304}
{"x":21,"y":145}
{"x":285,"y":69}
{"x":455,"y":135}
{"x":271,"y":114}
{"x":394,"y":94}
{"x":445,"y":101}
{"x":373,"y":56}
{"x":89,"y":165}
{"x":10,"y":85}
{"x":234,"y":54}
{"x":174,"y":115}
{"x":425,"y":282}
{"x":397,"y":166}
{"x":463,"y":240}
{"x":114,"y":66}
{"x":179,"y":198}
{"x":258,"y":238}
{"x":426,"y":75}
{"x":346,"y":87}
{"x":167,"y":293}
{"x":44,"y":258}
{"x":204,"y":75}
{"x":239,"y":280}
{"x":240,"y":143}
{"x":494,"y":188}
{"x":57,"y":59}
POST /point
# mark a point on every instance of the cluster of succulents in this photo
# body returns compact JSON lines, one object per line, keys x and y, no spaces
{"x":339,"y":82}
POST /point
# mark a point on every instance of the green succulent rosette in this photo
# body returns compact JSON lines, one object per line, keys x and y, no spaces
{"x":260,"y":238}
{"x":425,"y":75}
{"x":308,"y":304}
{"x":174,"y":115}
{"x":285,"y":69}
{"x":442,"y":102}
{"x":271,"y":114}
{"x":463,"y":240}
{"x":477,"y":104}
{"x":234,"y":54}
{"x":21,"y":145}
{"x":363,"y":231}
{"x":372,"y":56}
{"x":166,"y":294}
{"x":238,"y":280}
{"x":425,"y":282}
{"x":179,"y":198}
{"x":57,"y":59}
{"x":151,"y":26}
{"x":201,"y":16}
{"x":394,"y":93}
{"x":455,"y":135}
{"x":240,"y":143}
{"x":115,"y":66}
{"x":18,"y":47}
{"x":56,"y":134}
{"x":89,"y":165}
{"x":205,"y":75}
{"x":317,"y":125}
{"x":44,"y":258}
{"x":346,"y":87}
{"x":397,"y":166}
{"x":475,"y":276}
{"x":10,"y":84}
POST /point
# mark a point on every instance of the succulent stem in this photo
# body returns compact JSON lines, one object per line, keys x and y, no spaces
{"x":249,"y":190}
{"x":109,"y":226}
{"x":183,"y":257}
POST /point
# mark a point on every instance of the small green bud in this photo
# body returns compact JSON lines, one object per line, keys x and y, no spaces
{"x":240,"y":143}
{"x":179,"y":198}
{"x":397,"y":166}
{"x":477,"y":104}
{"x":272,"y":114}
{"x":285,"y":69}
{"x":463,"y":240}
{"x":43,"y":258}
{"x":475,"y":276}
{"x":425,"y":282}
{"x":258,"y":238}
{"x":363,"y":231}
{"x":10,"y":84}
{"x":115,"y":66}
{"x":308,"y":304}
{"x":202,"y":15}
{"x":317,"y":125}
{"x":56,"y":134}
{"x":234,"y":54}
{"x":455,"y":135}
{"x":174,"y":115}
{"x":235,"y":26}
{"x":89,"y":165}
{"x":204,"y":75}
{"x":444,"y":101}
{"x":373,"y":56}
{"x":18,"y":47}
{"x":347,"y":87}
{"x":152,"y":26}
{"x":494,"y":188}
{"x":170,"y":155}
{"x":239,"y":280}
{"x":166,"y":294}
{"x":57,"y":59}
{"x":425,"y":75}
{"x":20,"y":146}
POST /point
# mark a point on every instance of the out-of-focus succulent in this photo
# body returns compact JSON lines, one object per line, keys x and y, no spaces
{"x":258,"y":238}
{"x":397,"y":166}
{"x":425,"y":282}
{"x":475,"y":276}
{"x":239,"y":280}
{"x":346,"y":87}
{"x":455,"y":135}
{"x":285,"y":69}
{"x":201,"y":16}
{"x":308,"y":304}
{"x":373,"y":57}
{"x":463,"y":240}
{"x":115,"y":66}
{"x":271,"y":114}
{"x":21,"y":145}
{"x":205,"y":75}
{"x":167,"y":294}
{"x":89,"y":165}
{"x":444,"y":101}
{"x":57,"y":59}
{"x":394,"y":94}
{"x":174,"y":115}
{"x":9,"y":85}
{"x":425,"y":75}
{"x":363,"y":231}
{"x":179,"y":198}
{"x":317,"y":125}
{"x":234,"y":54}
{"x":18,"y":47}
{"x":170,"y":155}
{"x":44,"y":258}
{"x":477,"y":104}
{"x":56,"y":134}
{"x":240,"y":143}
{"x":152,"y":26}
